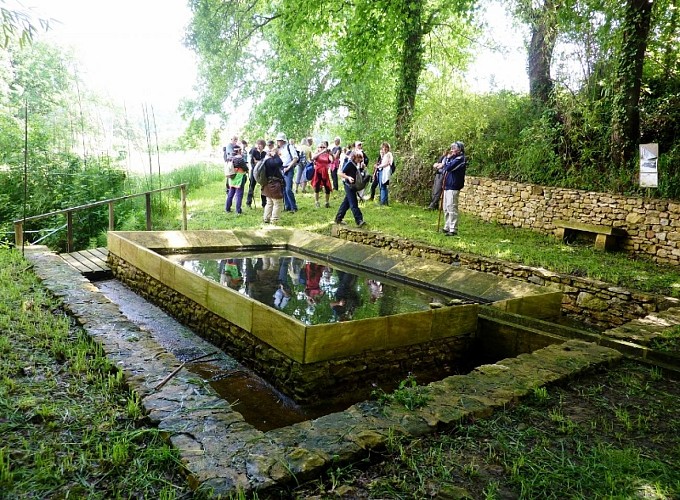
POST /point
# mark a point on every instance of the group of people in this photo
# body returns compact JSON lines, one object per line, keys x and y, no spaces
{"x":289,"y":168}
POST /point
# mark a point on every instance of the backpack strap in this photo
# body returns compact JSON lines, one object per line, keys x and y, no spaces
{"x":293,"y":156}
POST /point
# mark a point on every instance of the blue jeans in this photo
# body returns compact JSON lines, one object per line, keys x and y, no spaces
{"x":289,"y":202}
{"x":384,"y":189}
{"x":350,"y":202}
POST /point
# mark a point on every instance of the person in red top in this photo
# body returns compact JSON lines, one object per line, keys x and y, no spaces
{"x":313,"y":274}
{"x":323,"y":159}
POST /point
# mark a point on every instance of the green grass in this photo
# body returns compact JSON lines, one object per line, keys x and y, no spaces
{"x":408,"y":394}
{"x":70,"y":427}
{"x":668,"y":340}
{"x":206,"y":209}
{"x":609,"y":435}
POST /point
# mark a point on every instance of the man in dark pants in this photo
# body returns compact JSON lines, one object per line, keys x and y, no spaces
{"x":257,"y":154}
{"x":437,"y":184}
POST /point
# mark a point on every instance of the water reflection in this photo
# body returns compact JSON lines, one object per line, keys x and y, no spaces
{"x":311,"y":292}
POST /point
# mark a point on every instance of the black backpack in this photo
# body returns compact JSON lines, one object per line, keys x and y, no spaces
{"x":393,"y":167}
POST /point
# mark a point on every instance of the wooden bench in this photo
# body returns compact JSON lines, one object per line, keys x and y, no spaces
{"x":605,"y":236}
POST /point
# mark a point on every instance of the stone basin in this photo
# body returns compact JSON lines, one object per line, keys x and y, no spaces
{"x":307,"y":360}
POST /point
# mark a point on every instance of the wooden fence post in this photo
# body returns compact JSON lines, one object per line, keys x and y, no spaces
{"x":148,"y":211}
{"x":183,"y":195}
{"x":111,"y":219}
{"x":69,"y":231}
{"x":19,"y":234}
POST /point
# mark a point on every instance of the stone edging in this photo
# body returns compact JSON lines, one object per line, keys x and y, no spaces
{"x":223,"y":453}
{"x":591,"y":301}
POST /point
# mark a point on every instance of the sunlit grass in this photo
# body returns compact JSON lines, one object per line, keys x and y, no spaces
{"x":487,"y":239}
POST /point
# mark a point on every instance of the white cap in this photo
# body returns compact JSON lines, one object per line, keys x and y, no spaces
{"x":281,"y":137}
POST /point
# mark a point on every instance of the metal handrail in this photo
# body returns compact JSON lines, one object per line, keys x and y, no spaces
{"x":19,"y":223}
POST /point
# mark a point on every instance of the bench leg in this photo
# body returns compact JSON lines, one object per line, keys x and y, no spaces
{"x":560,"y":233}
{"x":604,"y":242}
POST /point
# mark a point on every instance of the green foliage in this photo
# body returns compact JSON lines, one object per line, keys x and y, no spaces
{"x":361,"y":60}
{"x":194,"y":136}
{"x":408,"y":394}
{"x":19,"y":24}
{"x":63,"y":181}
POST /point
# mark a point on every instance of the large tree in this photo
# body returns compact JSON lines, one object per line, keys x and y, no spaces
{"x":304,"y":57}
{"x":628,"y":80}
{"x":543,"y":21}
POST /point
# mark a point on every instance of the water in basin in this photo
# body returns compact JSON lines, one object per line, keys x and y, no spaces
{"x":312,"y":292}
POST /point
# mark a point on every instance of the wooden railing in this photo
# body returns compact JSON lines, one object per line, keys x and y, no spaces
{"x":19,"y":224}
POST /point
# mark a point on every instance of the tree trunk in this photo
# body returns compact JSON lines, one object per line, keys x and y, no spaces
{"x":626,"y":111}
{"x":410,"y":67}
{"x":541,"y":47}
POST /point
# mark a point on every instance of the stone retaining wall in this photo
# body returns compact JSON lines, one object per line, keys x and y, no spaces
{"x":350,"y":377}
{"x":591,"y":301}
{"x":653,"y":225}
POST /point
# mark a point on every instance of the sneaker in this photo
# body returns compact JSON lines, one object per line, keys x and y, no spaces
{"x":328,"y":205}
{"x":452,"y":233}
{"x":361,"y":223}
{"x":337,"y":221}
{"x":266,"y":221}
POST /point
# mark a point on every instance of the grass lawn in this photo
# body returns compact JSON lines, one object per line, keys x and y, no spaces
{"x":206,"y":211}
{"x":71,"y":429}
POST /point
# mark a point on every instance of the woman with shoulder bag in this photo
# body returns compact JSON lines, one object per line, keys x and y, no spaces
{"x":273,"y":190}
{"x":384,"y":170}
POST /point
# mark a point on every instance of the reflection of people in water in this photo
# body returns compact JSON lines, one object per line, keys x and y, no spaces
{"x":312,"y":279}
{"x":230,"y":273}
{"x":266,"y":279}
{"x":282,"y":293}
{"x":347,"y":297}
{"x":375,"y":289}
{"x":253,"y":265}
{"x":281,"y":297}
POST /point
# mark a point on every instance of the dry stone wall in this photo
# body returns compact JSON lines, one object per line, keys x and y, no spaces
{"x":652,"y":225}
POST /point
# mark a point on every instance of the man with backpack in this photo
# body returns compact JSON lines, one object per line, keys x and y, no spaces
{"x":289,"y":159}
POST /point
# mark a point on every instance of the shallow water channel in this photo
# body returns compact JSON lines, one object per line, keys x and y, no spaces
{"x":259,"y":402}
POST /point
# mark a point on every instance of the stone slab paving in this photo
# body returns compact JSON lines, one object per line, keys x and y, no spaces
{"x":222,"y":452}
{"x":644,"y":330}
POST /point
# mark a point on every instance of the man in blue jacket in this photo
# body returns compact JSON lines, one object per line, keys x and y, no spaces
{"x":454,"y":180}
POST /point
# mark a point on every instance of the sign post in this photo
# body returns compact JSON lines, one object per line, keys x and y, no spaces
{"x":649,"y":157}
